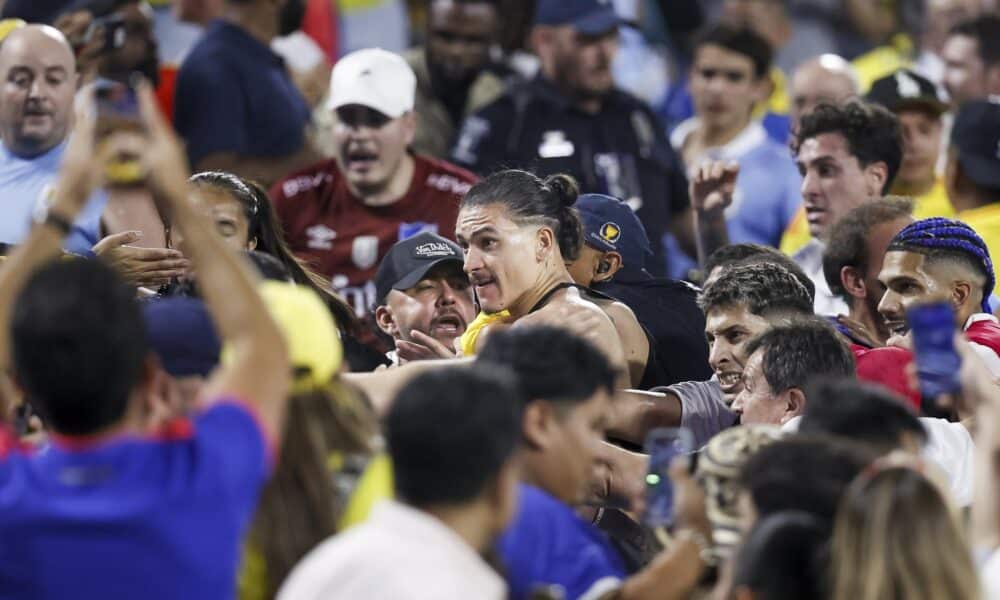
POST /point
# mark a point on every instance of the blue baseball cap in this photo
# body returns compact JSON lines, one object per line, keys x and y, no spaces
{"x":182,"y":335}
{"x":589,"y":17}
{"x":609,"y":225}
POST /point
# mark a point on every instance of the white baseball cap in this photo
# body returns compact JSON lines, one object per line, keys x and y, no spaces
{"x":375,"y":78}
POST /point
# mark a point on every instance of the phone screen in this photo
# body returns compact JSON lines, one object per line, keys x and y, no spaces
{"x":662,"y":446}
{"x":938,"y":363}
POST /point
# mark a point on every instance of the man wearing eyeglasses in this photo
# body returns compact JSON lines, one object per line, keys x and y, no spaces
{"x":343,"y":215}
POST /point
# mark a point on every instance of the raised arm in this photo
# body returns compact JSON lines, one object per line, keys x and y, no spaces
{"x":258,"y":370}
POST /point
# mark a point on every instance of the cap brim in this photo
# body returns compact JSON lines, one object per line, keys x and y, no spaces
{"x":984,"y":172}
{"x":929,"y":104}
{"x":598,"y":22}
{"x":346,"y":99}
{"x":413,"y":277}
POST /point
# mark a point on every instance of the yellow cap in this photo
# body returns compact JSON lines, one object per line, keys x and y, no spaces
{"x":8,"y":25}
{"x":313,"y":340}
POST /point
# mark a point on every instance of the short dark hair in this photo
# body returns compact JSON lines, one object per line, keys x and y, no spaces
{"x":450,"y":431}
{"x":872,"y":133}
{"x":763,"y":287}
{"x":752,"y":254}
{"x":796,"y":352}
{"x":985,"y":29}
{"x":783,"y":557}
{"x":79,"y":345}
{"x":530,"y":199}
{"x":803,"y":473}
{"x":741,"y":40}
{"x":550,"y":363}
{"x":849,"y":235}
{"x":861,"y":412}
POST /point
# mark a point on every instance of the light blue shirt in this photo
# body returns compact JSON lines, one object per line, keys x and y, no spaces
{"x":24,"y":183}
{"x":768,"y":190}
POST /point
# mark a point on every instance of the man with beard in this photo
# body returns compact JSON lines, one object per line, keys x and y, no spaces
{"x":455,"y":74}
{"x":424,"y":297}
{"x":571,"y":119}
{"x":343,"y":215}
{"x":237,"y":108}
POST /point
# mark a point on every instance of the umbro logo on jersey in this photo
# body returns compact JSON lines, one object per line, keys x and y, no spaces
{"x":320,"y":237}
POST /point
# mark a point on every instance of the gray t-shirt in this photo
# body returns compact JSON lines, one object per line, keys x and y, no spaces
{"x":703,"y":409}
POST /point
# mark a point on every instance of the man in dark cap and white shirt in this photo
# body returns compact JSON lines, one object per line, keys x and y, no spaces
{"x":424,"y":300}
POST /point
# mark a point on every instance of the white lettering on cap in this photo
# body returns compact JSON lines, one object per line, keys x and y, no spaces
{"x":906,"y":86}
{"x":433,"y":250}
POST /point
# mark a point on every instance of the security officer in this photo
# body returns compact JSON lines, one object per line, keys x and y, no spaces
{"x":613,"y":262}
{"x":571,"y":119}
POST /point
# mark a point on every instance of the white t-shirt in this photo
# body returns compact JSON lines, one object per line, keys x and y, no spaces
{"x":949,"y":446}
{"x":400,"y":553}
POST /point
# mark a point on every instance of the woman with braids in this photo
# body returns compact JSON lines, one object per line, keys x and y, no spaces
{"x":518,"y":232}
{"x":940,"y":258}
{"x":244,"y":217}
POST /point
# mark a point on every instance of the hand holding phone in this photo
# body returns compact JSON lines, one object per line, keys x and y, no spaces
{"x":663,"y":445}
{"x":118,"y":111}
{"x":933,"y":330}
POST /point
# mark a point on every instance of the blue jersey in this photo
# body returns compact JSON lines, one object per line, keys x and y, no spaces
{"x":25,"y":182}
{"x":133,"y":517}
{"x":768,"y":191}
{"x":548,"y":544}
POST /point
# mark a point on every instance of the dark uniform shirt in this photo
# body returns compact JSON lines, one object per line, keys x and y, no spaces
{"x":669,"y":311}
{"x":234,"y":95}
{"x":621,"y":151}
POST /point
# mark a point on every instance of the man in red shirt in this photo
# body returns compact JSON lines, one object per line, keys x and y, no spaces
{"x":343,"y":215}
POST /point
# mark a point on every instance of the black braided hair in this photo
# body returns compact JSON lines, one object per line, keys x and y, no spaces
{"x":948,"y":236}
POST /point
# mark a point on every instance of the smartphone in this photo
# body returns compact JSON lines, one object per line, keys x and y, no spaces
{"x":118,"y":110}
{"x":116,"y":101}
{"x":113,"y":26}
{"x":663,"y":445}
{"x":933,"y":328}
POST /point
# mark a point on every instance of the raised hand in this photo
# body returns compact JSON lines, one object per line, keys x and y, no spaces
{"x":712,"y":185}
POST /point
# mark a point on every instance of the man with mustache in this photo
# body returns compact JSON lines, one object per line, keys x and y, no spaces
{"x":425,"y":300}
{"x":343,"y":215}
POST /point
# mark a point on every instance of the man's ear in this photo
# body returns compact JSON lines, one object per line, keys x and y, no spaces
{"x":545,"y":241}
{"x":609,"y":264}
{"x":960,"y":292}
{"x":876,"y":175}
{"x":385,"y":321}
{"x":853,"y":282}
{"x":538,"y":424}
{"x":795,"y":404}
{"x":409,"y":127}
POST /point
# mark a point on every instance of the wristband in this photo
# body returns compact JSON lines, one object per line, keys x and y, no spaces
{"x":58,"y":222}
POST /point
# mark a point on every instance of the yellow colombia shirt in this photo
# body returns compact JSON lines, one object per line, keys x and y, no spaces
{"x":986,"y":221}
{"x":934,"y":203}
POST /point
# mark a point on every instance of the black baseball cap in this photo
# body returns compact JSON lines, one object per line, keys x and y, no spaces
{"x":589,"y":17}
{"x":409,"y":260}
{"x":905,"y":89}
{"x":975,"y":135}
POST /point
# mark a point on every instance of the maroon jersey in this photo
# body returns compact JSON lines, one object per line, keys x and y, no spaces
{"x":344,"y":240}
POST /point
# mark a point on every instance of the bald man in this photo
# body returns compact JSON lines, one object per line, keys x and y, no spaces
{"x":38,"y":71}
{"x":826,"y":78}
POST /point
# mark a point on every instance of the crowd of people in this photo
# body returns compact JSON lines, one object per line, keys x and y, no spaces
{"x":294,"y":315}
